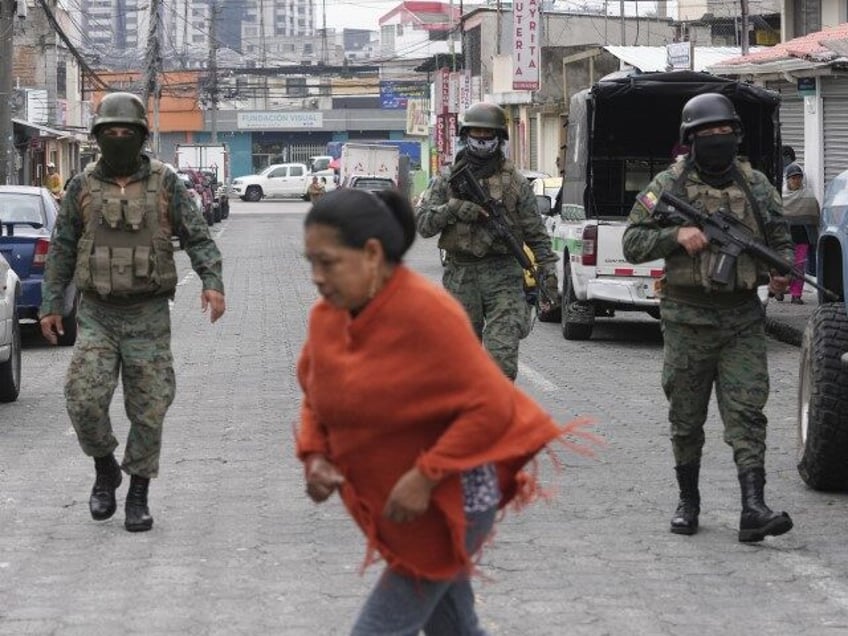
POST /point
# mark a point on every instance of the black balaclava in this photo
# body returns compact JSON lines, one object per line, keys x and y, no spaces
{"x":121,"y":155}
{"x":714,"y":154}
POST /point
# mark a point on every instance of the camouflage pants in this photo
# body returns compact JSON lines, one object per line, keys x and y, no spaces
{"x":726,"y":347}
{"x":492,"y":292}
{"x":134,"y":341}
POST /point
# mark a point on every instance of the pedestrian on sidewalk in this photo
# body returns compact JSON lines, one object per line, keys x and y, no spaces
{"x":113,"y":238}
{"x":407,"y":416}
{"x":802,"y":212}
{"x":315,"y":190}
{"x":714,"y":334}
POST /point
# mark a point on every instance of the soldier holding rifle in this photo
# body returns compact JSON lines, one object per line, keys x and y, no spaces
{"x":482,"y":271}
{"x":712,"y":319}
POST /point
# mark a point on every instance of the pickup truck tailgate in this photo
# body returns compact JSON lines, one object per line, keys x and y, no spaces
{"x":611,"y":261}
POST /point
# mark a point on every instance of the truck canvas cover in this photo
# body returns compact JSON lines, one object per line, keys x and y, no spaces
{"x":624,"y":130}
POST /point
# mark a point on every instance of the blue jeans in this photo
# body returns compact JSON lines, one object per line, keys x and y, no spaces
{"x":400,"y":605}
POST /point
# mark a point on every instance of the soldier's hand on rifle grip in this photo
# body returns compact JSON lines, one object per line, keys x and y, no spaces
{"x":465,"y":211}
{"x":692,"y":239}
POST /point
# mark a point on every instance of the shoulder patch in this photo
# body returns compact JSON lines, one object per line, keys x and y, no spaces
{"x":648,"y":199}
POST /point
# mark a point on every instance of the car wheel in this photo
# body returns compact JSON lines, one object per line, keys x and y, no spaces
{"x":577,"y":319}
{"x":822,"y":400}
{"x":10,"y":370}
{"x":253,"y":194}
{"x":69,"y":326}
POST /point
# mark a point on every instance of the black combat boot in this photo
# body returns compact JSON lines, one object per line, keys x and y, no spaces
{"x":138,"y":517}
{"x":685,"y":519}
{"x":758,"y":520}
{"x":102,"y":501}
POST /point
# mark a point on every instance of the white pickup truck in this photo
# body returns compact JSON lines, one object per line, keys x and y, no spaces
{"x":279,"y":180}
{"x":621,"y":133}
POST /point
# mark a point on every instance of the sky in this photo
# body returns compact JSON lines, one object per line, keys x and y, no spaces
{"x":365,"y":14}
{"x":352,"y":14}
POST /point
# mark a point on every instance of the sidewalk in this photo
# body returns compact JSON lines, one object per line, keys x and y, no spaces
{"x":785,"y":321}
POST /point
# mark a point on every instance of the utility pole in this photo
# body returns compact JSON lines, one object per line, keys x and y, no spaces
{"x":324,"y":32}
{"x":153,"y":67}
{"x":7,"y":25}
{"x":451,"y":42}
{"x":743,"y":40}
{"x":212,"y":82}
{"x":262,"y":58}
{"x":623,"y":29}
{"x":499,"y":29}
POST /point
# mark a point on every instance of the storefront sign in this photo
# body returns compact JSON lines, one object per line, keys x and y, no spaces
{"x":277,"y":120}
{"x":416,"y":118}
{"x":526,"y":46}
{"x":395,"y":95}
{"x":678,"y":56}
{"x":807,"y":86}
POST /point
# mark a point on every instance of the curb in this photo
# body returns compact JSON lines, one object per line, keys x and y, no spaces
{"x":783,"y":332}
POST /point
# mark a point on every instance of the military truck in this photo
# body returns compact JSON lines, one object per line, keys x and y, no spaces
{"x":621,"y":132}
{"x":823,"y":376}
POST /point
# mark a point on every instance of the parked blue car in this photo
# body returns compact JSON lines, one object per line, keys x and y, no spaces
{"x":27,"y":217}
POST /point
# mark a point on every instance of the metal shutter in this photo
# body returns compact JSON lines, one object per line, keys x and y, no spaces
{"x":791,"y":117}
{"x":835,"y":116}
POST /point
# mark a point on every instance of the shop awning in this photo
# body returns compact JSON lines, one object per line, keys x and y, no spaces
{"x":46,"y":131}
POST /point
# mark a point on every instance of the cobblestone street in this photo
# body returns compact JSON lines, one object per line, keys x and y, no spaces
{"x":238,"y":548}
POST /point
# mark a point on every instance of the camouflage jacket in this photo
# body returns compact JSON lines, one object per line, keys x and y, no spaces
{"x":646,"y":239}
{"x":186,"y":222}
{"x":474,"y":239}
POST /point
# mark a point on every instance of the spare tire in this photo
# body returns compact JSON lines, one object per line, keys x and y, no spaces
{"x":823,"y":400}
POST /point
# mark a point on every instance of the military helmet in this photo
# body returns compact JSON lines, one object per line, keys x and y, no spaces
{"x":120,"y":108}
{"x":705,"y":109}
{"x":484,"y":115}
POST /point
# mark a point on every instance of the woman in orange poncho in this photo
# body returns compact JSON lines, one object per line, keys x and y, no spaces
{"x":407,"y":416}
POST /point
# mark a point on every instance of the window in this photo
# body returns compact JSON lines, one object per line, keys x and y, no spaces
{"x":278,"y":172}
{"x":61,"y":80}
{"x":806,"y":17}
{"x":296,"y":171}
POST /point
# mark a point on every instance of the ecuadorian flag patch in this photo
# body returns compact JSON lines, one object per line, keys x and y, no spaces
{"x":649,"y":200}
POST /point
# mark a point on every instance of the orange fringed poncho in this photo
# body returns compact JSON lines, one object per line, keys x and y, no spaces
{"x":407,"y":382}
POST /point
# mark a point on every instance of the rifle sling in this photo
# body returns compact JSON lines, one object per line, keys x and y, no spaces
{"x":742,"y":182}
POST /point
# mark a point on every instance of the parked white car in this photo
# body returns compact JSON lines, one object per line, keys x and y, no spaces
{"x":10,"y":334}
{"x":279,"y":180}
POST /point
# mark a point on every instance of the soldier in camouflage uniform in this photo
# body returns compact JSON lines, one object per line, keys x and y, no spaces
{"x":480,"y":271}
{"x":113,"y":238}
{"x":714,"y":334}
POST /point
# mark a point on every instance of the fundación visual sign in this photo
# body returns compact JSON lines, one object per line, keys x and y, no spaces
{"x":279,"y":120}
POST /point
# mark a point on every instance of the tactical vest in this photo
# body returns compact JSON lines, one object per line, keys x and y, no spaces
{"x":474,"y":239}
{"x":694,"y":271}
{"x":126,"y":248}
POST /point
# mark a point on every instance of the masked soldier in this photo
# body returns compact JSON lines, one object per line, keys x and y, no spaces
{"x":714,"y":334}
{"x":480,"y":271}
{"x":113,"y":238}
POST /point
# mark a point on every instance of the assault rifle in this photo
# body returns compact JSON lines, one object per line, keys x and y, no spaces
{"x":732,"y":237}
{"x":467,"y":187}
